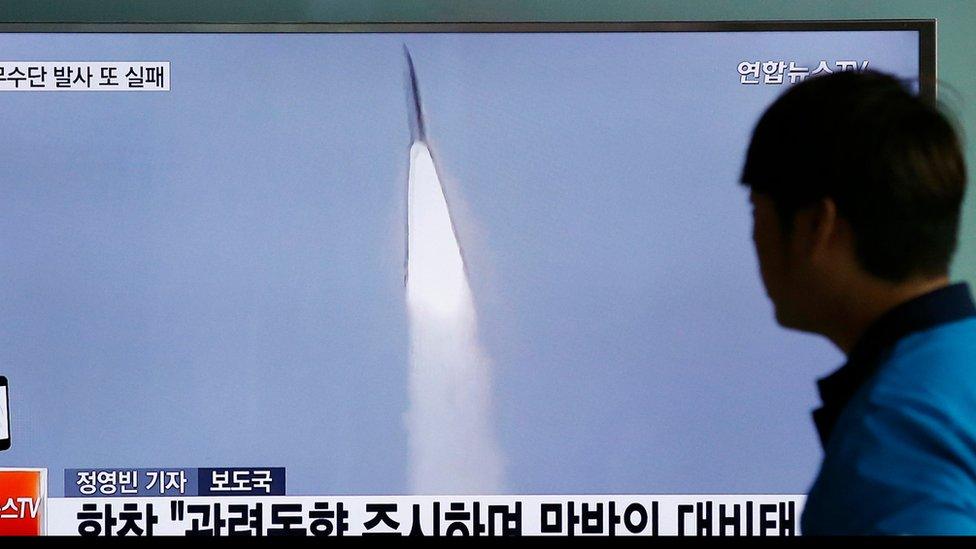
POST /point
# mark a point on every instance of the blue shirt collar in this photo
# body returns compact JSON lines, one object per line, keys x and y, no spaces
{"x":947,"y":304}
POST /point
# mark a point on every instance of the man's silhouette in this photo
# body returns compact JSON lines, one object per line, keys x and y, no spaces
{"x":856,"y":185}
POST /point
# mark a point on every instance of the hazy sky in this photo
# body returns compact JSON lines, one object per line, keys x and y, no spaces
{"x":213,"y":276}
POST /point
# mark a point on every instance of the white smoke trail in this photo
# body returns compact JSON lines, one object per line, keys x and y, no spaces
{"x":451,"y":438}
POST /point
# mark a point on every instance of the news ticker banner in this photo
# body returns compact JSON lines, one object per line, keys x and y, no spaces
{"x":562,"y":515}
{"x":25,"y":509}
{"x":28,"y":76}
{"x":155,"y":75}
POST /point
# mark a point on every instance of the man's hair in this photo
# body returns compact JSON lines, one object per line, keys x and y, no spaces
{"x":889,"y":160}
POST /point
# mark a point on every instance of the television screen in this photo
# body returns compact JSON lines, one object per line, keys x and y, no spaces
{"x":406,"y":259}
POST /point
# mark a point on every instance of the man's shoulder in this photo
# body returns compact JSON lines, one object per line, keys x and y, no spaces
{"x":904,"y":450}
{"x":945,"y":341}
{"x":920,"y":404}
{"x":937,"y":365}
{"x":924,"y":394}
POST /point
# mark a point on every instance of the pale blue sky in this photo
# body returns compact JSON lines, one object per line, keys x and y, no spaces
{"x":213,"y":276}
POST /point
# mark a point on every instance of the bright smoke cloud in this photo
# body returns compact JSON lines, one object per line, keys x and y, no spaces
{"x":451,"y":437}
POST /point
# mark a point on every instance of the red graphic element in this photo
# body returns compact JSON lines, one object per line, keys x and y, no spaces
{"x":21,"y":500}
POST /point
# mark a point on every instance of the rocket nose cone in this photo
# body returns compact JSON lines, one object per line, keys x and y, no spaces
{"x":413,"y":99}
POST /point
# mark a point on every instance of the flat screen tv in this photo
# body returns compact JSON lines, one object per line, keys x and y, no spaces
{"x":396,"y":259}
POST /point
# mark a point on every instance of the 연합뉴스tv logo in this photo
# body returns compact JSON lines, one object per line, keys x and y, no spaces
{"x":23,"y":493}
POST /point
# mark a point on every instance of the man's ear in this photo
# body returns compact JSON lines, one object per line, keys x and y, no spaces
{"x":822,"y":226}
{"x":814,"y":227}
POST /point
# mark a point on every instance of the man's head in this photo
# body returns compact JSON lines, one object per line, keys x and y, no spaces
{"x":856,"y":183}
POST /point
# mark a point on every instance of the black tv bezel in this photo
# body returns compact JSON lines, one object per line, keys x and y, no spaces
{"x":926,"y":28}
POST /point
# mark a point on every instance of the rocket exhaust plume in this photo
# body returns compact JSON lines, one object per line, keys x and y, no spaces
{"x":450,"y":432}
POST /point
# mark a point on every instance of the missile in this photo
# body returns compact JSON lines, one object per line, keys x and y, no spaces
{"x":429,"y":226}
{"x":452,"y":448}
